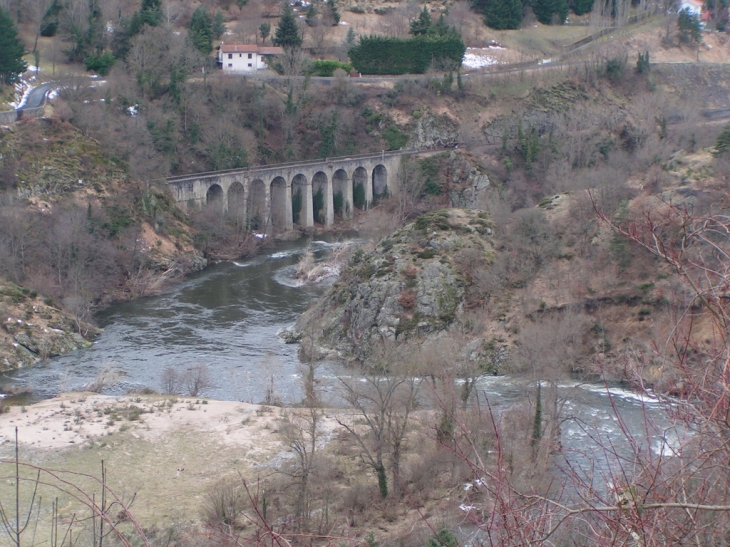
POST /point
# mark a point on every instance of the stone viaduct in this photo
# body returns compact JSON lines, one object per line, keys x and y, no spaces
{"x":288,"y":194}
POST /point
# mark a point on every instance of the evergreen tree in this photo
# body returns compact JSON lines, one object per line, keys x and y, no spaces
{"x":723,"y":141}
{"x":351,"y":37}
{"x":151,"y":12}
{"x":287,"y":34}
{"x":49,"y":26}
{"x":333,"y":13}
{"x":264,"y":31}
{"x":201,"y":30}
{"x":581,"y":6}
{"x":219,"y":27}
{"x":643,"y":63}
{"x":499,"y":14}
{"x":689,"y":27}
{"x":547,"y":10}
{"x":422,"y":24}
{"x":11,"y":50}
{"x":537,"y":422}
{"x":440,"y":27}
{"x":311,"y":17}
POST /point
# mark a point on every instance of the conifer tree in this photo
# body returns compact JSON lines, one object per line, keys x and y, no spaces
{"x":11,"y":50}
{"x":422,"y":24}
{"x":690,"y":30}
{"x":201,"y":30}
{"x":151,"y":12}
{"x":581,"y":6}
{"x":287,"y":34}
{"x":440,"y":27}
{"x":311,"y":16}
{"x":219,"y":27}
{"x":501,"y":14}
{"x":333,"y":12}
{"x":264,"y":31}
{"x":549,"y":11}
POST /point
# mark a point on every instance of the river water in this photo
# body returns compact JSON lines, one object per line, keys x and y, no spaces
{"x":228,"y":316}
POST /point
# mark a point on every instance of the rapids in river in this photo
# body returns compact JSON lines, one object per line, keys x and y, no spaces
{"x":228,"y":316}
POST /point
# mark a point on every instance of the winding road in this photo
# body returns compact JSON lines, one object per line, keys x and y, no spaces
{"x":37,"y":95}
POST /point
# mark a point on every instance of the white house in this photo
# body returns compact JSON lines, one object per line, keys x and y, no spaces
{"x":244,"y":57}
{"x":693,"y":6}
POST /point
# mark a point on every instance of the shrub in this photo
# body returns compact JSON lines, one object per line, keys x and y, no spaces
{"x":407,"y":300}
{"x":723,"y":141}
{"x":326,"y":68}
{"x":224,"y":502}
{"x":615,"y":67}
{"x":395,"y":138}
{"x":101,"y":64}
{"x":643,"y":63}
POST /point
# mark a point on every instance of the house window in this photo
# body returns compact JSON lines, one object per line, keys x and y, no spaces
{"x":230,"y":65}
{"x":249,"y":56}
{"x":249,"y":64}
{"x":230,"y":55}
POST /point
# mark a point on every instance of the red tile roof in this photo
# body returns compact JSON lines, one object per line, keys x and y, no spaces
{"x":250,"y":48}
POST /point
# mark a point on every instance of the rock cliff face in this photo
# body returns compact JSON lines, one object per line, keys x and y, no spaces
{"x":411,"y":285}
{"x":434,"y":132}
{"x":33,"y":329}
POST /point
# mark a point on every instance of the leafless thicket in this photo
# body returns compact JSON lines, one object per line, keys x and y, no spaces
{"x":384,"y":402}
{"x":676,"y":494}
{"x":194,"y":380}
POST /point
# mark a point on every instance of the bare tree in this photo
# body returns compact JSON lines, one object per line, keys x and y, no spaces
{"x":197,"y":379}
{"x":170,"y":380}
{"x":675,"y":492}
{"x":301,"y":431}
{"x":385,"y":403}
{"x":35,"y":12}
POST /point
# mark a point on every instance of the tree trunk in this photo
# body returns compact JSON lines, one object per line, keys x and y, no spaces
{"x":382,"y":481}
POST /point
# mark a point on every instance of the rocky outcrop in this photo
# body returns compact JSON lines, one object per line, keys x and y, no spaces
{"x":412,"y":285}
{"x":469,"y":186}
{"x":434,"y":132}
{"x":33,"y":330}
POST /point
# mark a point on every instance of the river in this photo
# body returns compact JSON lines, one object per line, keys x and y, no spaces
{"x":228,"y":316}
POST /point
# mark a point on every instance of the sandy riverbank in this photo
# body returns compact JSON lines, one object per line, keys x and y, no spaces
{"x":167,"y":451}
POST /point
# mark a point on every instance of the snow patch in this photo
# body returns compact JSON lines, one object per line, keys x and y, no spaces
{"x":22,"y":90}
{"x":477,"y":58}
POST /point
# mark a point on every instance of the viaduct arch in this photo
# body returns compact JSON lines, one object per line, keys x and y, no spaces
{"x":282,"y":196}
